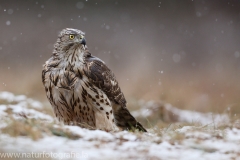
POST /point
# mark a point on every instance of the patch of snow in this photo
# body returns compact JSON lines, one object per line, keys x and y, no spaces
{"x":185,"y":129}
{"x":9,"y":97}
{"x":20,"y":106}
{"x":203,"y":118}
{"x":198,"y":143}
{"x":91,"y":135}
{"x":2,"y":109}
{"x":233,"y":135}
{"x":35,"y":104}
{"x":198,"y":135}
{"x":95,"y":144}
{"x":149,"y":108}
{"x":19,"y":109}
{"x":130,"y":137}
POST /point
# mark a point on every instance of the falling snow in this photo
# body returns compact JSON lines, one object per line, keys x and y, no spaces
{"x":10,"y":11}
{"x":80,"y":5}
{"x":237,"y":54}
{"x":8,"y":23}
{"x":176,"y":58}
{"x":107,"y":27}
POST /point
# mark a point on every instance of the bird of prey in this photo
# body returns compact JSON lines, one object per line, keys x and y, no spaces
{"x":81,"y":88}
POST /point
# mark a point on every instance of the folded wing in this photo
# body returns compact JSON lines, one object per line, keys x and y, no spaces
{"x":102,"y":77}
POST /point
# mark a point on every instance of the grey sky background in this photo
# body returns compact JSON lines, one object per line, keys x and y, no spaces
{"x":147,"y":43}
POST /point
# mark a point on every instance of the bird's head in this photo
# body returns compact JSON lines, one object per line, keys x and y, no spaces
{"x":69,"y":37}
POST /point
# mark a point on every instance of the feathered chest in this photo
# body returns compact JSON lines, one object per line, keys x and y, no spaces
{"x":64,"y":71}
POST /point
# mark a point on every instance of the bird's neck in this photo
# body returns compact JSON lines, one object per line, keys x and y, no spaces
{"x":70,"y":57}
{"x":62,"y":50}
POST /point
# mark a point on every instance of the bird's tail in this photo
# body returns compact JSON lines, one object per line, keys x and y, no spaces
{"x":125,"y":120}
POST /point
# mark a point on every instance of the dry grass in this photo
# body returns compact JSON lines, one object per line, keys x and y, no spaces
{"x":31,"y":127}
{"x":35,"y":129}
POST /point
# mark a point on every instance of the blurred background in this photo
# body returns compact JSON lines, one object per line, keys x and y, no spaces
{"x":186,"y":52}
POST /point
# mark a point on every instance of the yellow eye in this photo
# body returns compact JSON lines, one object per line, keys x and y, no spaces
{"x":71,"y":36}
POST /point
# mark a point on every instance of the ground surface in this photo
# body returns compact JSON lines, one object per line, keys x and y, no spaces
{"x":28,"y":130}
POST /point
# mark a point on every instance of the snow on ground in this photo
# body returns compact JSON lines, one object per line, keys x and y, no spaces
{"x":183,"y":143}
{"x":21,"y":105}
{"x":171,"y":114}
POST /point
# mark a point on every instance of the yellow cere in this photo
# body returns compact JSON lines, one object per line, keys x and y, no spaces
{"x":81,"y":36}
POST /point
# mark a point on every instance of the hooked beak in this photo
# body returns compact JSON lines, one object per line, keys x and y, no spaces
{"x":83,"y":41}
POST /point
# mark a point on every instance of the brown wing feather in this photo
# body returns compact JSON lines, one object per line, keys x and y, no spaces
{"x":102,"y":77}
